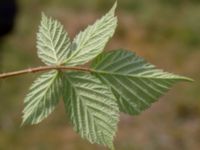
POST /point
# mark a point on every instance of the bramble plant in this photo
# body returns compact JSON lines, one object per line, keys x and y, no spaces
{"x":117,"y":81}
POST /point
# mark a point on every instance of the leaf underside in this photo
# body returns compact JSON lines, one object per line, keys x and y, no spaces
{"x":135,"y":83}
{"x":118,"y":80}
{"x":53,"y":42}
{"x":42,"y":98}
{"x":91,"y":42}
{"x":91,"y":107}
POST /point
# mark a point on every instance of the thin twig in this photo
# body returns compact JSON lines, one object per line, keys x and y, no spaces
{"x":41,"y":69}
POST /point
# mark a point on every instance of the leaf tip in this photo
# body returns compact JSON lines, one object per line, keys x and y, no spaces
{"x":187,"y":79}
{"x":115,"y":4}
{"x":23,"y":123}
{"x":183,"y":78}
{"x":111,"y":147}
{"x":43,"y":15}
{"x":114,"y":7}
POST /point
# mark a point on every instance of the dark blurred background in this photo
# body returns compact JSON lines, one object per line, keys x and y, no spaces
{"x":165,"y":32}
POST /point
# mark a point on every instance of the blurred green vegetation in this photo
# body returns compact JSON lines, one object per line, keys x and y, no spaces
{"x":165,"y":32}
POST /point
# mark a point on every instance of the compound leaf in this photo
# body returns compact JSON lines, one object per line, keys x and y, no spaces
{"x":53,"y":42}
{"x":42,"y":98}
{"x":135,"y":83}
{"x":91,"y":42}
{"x":91,"y":107}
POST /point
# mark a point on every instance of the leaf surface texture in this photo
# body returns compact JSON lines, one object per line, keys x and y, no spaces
{"x":135,"y":83}
{"x":42,"y":98}
{"x":91,"y":42}
{"x":91,"y":107}
{"x":53,"y":42}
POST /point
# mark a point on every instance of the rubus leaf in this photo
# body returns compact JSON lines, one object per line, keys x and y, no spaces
{"x":91,"y":42}
{"x":53,"y":42}
{"x":117,"y":81}
{"x":135,"y":83}
{"x":91,"y":106}
{"x":42,"y":98}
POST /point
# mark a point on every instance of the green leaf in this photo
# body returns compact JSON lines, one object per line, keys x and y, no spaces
{"x":91,"y":42}
{"x":91,"y":107}
{"x":42,"y":98}
{"x":53,"y":42}
{"x":135,"y":83}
